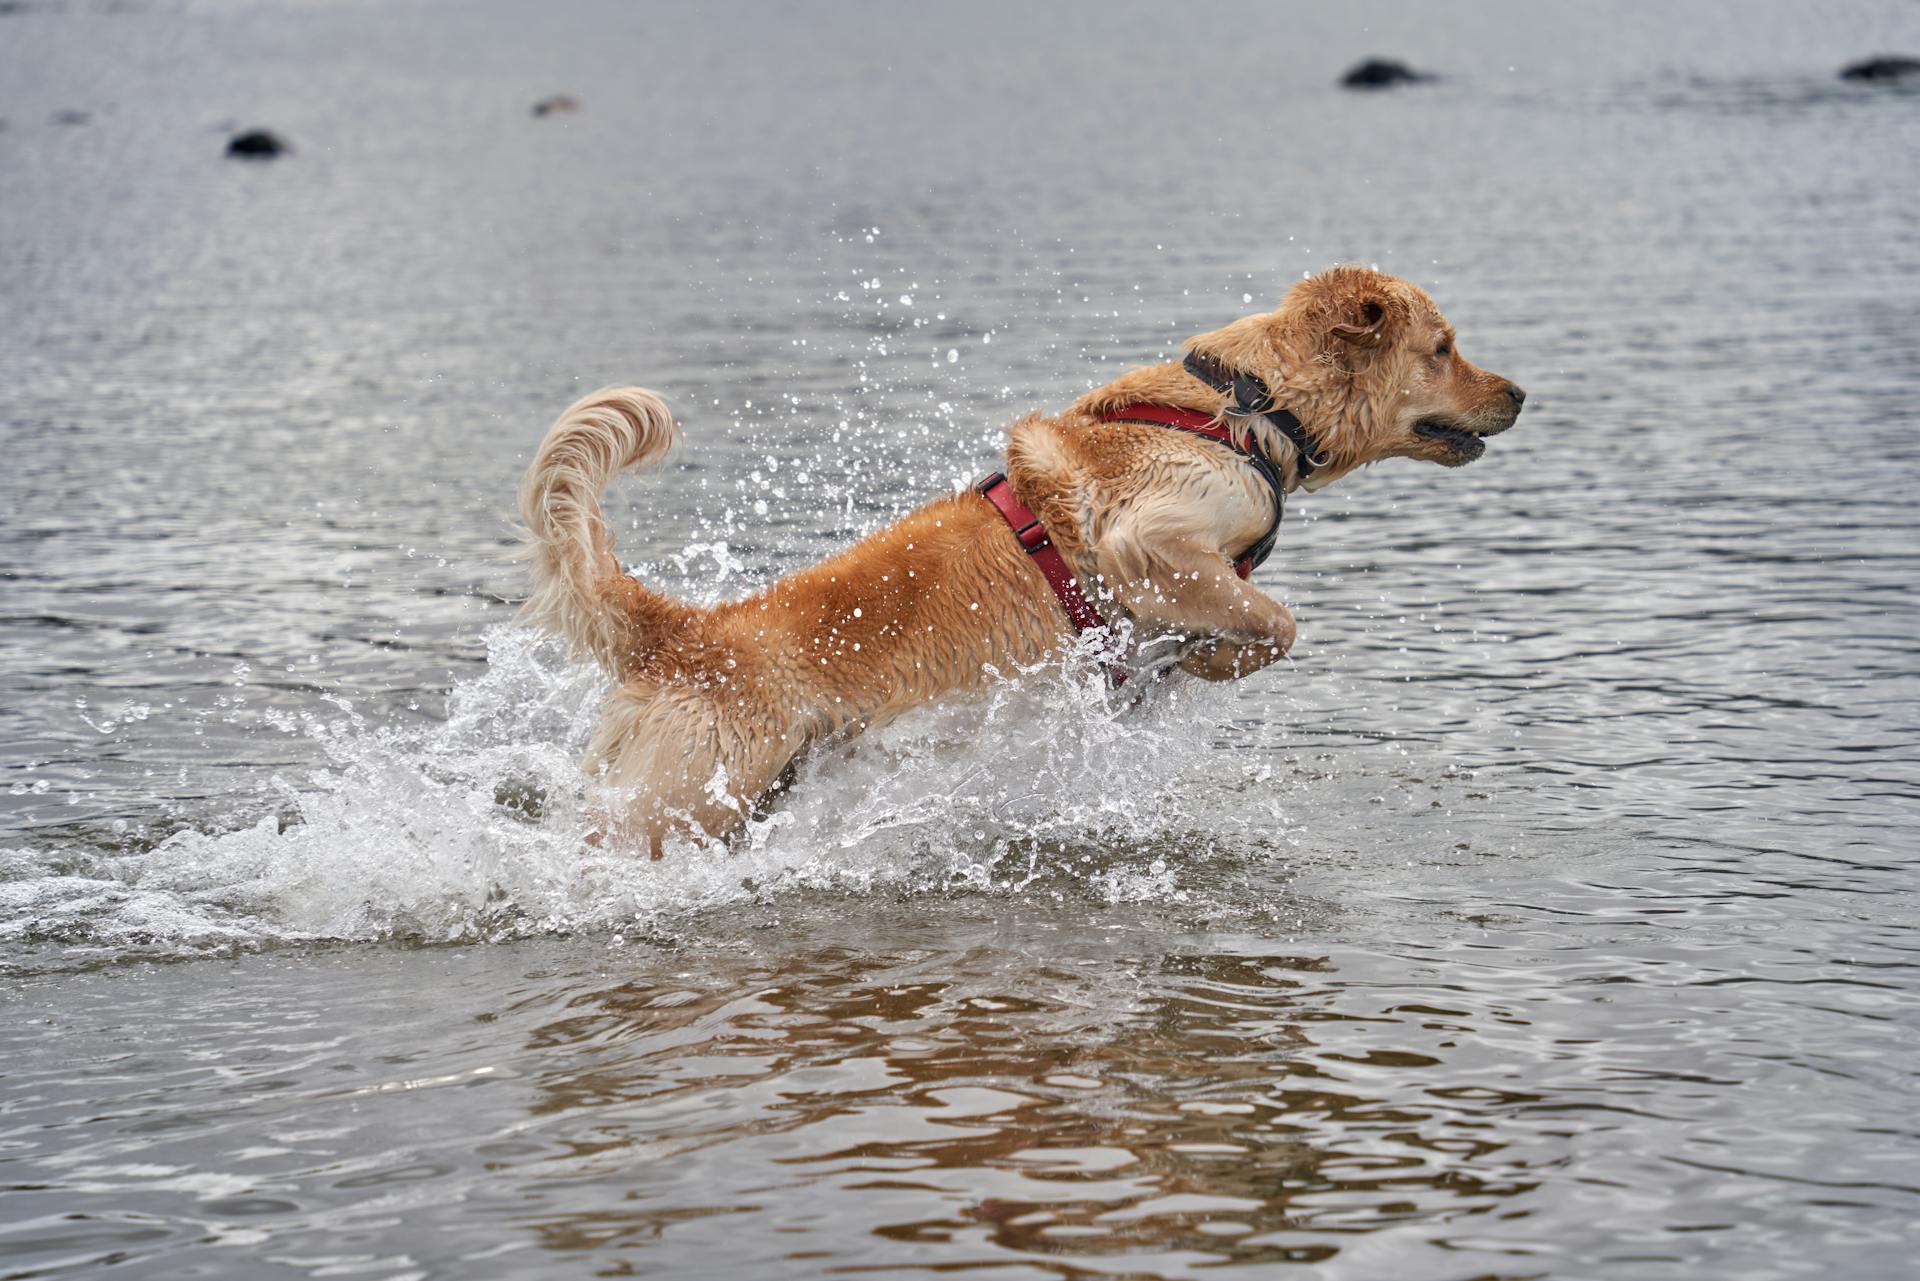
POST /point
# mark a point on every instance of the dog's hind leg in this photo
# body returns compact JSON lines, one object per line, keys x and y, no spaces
{"x":682,"y":763}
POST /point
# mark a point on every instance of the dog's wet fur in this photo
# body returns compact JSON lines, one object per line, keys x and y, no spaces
{"x":712,"y":705}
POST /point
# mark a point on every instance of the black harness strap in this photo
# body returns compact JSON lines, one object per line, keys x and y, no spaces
{"x":1256,"y":555}
{"x":1251,"y":397}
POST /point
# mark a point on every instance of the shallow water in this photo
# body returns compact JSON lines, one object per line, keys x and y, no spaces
{"x":1551,"y":915}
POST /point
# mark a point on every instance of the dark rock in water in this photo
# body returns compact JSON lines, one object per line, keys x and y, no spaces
{"x":1380,"y":73}
{"x":71,"y":117}
{"x":256,"y":144}
{"x":1887,"y":68}
{"x":555,"y":105}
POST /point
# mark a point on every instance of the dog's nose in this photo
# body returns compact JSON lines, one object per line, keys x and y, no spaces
{"x":1516,"y":395}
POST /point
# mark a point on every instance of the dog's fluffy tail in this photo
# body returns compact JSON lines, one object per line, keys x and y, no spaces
{"x":578,"y":589}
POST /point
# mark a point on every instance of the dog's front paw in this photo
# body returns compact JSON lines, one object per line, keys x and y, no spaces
{"x":1224,"y":660}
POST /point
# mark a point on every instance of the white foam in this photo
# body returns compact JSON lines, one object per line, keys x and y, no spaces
{"x":426,"y":833}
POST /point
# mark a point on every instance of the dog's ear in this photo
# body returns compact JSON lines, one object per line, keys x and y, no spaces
{"x":1367,"y":326}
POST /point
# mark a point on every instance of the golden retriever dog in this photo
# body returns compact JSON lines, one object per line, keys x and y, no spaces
{"x":711,"y":704}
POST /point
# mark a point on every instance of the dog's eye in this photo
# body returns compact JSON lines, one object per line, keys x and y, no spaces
{"x":1443,"y":350}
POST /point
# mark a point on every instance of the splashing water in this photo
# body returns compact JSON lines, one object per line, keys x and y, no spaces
{"x":473,"y":828}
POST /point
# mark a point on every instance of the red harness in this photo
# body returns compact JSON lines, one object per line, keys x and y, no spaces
{"x":1033,"y":535}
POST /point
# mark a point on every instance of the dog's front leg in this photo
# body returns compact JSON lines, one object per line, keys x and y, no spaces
{"x":1189,"y":590}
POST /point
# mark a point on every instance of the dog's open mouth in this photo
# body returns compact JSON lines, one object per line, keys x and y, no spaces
{"x":1463,"y":444}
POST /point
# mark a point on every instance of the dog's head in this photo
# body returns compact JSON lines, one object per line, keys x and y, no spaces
{"x":1369,"y":365}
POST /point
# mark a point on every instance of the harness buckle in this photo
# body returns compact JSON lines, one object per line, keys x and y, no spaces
{"x":1032,"y":535}
{"x":1251,"y":397}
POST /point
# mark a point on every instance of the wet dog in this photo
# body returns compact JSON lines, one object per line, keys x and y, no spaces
{"x":711,"y":704}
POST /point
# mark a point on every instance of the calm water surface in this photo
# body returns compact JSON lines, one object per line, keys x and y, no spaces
{"x":1552,"y":915}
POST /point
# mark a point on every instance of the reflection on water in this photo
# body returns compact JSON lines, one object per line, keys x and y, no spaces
{"x":996,"y":1085}
{"x":1041,"y":1116}
{"x":1551,"y":914}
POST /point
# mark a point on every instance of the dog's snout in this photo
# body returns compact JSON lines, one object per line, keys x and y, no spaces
{"x":1517,"y":395}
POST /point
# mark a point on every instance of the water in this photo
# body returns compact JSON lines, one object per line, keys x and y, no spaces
{"x":1551,"y":915}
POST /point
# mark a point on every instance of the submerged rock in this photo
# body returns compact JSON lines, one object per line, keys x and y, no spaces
{"x":1891,"y":67}
{"x":1381,"y":73}
{"x":72,"y":117}
{"x":256,"y":144}
{"x":555,"y":105}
